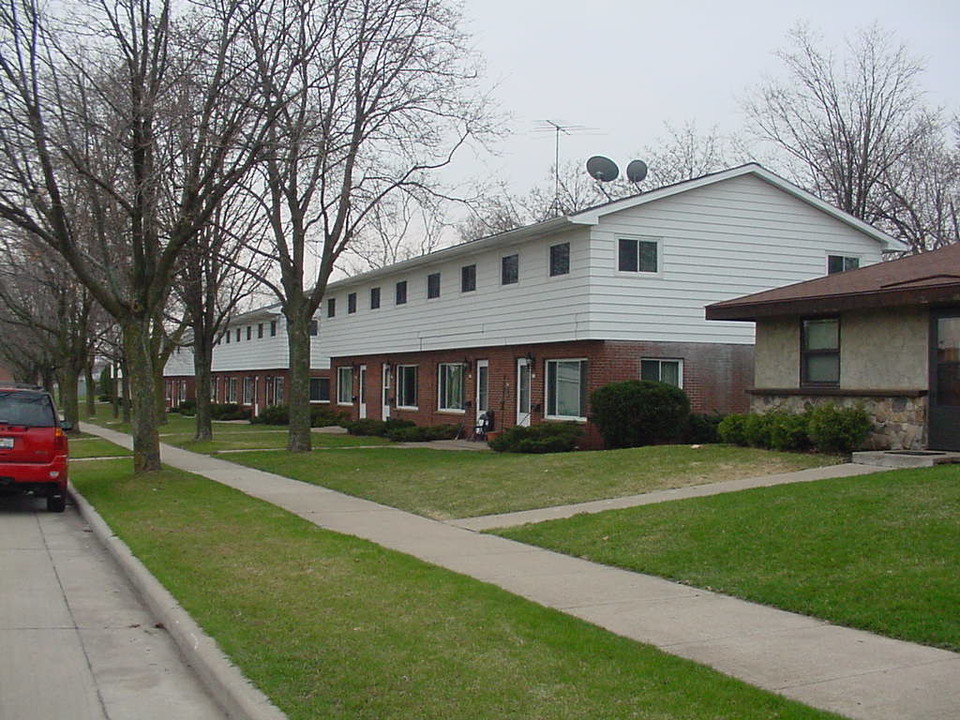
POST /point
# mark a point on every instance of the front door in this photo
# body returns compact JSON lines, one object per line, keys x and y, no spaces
{"x":362,"y":391}
{"x":945,"y":381}
{"x":385,"y":393}
{"x":523,"y":391}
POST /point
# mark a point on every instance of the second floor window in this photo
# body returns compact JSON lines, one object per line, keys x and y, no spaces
{"x":509,"y":269}
{"x":559,"y":259}
{"x":331,"y":307}
{"x":468,"y":278}
{"x":433,"y":285}
{"x":351,"y":303}
{"x":841,"y":263}
{"x":402,"y":292}
{"x":637,"y":255}
{"x":374,"y":298}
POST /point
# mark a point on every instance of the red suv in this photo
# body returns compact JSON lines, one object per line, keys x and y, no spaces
{"x":33,"y":447}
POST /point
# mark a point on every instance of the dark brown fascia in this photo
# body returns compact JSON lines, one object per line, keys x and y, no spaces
{"x":824,"y":305}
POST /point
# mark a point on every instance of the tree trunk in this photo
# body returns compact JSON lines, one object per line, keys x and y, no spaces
{"x":298,"y":392}
{"x":202,"y":364}
{"x":70,"y":396}
{"x":91,"y":390}
{"x":141,"y":378}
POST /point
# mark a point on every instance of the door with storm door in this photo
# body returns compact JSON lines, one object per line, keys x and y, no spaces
{"x":362,"y":391}
{"x":385,"y":389}
{"x":523,"y":391}
{"x":945,"y":381}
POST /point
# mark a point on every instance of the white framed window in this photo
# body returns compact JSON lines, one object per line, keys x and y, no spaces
{"x":841,"y":263}
{"x":452,"y":387}
{"x":668,"y":371}
{"x":560,"y":259}
{"x":407,"y":386}
{"x":278,"y":389}
{"x":232,"y":394}
{"x":638,"y":255}
{"x":566,"y":389}
{"x":345,"y":385}
{"x":247,"y":391}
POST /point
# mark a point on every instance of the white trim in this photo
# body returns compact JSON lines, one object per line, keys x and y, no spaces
{"x":546,"y":388}
{"x":400,"y":385}
{"x":658,"y":241}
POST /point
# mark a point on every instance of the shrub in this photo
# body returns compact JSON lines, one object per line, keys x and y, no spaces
{"x":732,"y":429}
{"x":756,"y":430}
{"x":702,"y":428}
{"x":834,"y":429}
{"x":187,"y":408}
{"x":423,"y":433}
{"x":324,"y":417}
{"x":540,"y":438}
{"x":639,"y":412}
{"x":273,"y":415}
{"x":787,"y":431}
{"x":378,"y":428}
{"x":229,"y":411}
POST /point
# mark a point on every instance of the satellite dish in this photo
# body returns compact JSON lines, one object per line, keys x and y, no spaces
{"x":602,"y":169}
{"x":636,"y":171}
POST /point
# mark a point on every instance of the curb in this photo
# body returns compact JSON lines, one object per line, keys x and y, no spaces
{"x":236,"y":695}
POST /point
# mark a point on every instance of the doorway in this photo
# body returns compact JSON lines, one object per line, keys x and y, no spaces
{"x":945,"y":381}
{"x":523,"y":391}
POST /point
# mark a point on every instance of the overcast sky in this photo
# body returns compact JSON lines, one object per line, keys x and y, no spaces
{"x":622,"y":68}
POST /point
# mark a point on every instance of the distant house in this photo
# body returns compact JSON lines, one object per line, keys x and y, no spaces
{"x":528,"y":323}
{"x":250,"y":364}
{"x":885,"y":336}
{"x":525,"y":324}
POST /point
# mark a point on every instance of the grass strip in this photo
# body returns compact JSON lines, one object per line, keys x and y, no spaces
{"x":877,"y":552}
{"x":336,"y":627}
{"x":447,"y":484}
{"x":90,"y":446}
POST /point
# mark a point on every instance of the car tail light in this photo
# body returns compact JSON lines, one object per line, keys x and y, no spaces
{"x":60,"y":441}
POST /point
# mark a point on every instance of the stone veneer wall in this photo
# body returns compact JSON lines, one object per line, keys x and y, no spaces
{"x":899,"y":421}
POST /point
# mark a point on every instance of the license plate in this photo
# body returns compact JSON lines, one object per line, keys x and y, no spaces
{"x":6,"y":443}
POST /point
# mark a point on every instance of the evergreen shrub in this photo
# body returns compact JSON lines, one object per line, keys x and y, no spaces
{"x":639,"y":412}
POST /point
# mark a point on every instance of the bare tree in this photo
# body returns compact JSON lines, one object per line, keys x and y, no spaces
{"x":94,"y":162}
{"x":686,"y":153}
{"x":846,"y":124}
{"x":375,"y":97}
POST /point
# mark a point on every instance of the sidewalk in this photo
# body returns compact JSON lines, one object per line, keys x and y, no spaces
{"x":845,"y":671}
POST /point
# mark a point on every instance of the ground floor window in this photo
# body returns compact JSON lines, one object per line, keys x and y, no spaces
{"x":278,"y":390}
{"x":452,"y":384}
{"x":345,"y":385}
{"x":407,"y":386}
{"x":232,"y":394}
{"x":820,"y":352}
{"x":319,"y":389}
{"x":567,"y":389}
{"x":248,"y":391}
{"x":665,"y":371}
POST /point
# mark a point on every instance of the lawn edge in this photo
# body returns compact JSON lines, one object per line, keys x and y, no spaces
{"x":228,"y":686}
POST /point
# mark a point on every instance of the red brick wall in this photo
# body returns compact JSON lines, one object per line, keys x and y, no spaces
{"x":221,"y":380}
{"x":715,"y":377}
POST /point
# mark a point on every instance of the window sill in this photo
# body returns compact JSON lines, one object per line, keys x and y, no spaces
{"x":451,"y":411}
{"x":408,"y":407}
{"x":565,"y":418}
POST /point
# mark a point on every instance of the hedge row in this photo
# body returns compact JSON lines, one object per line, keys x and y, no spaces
{"x":280,"y":415}
{"x":825,"y":428}
{"x":402,"y":430}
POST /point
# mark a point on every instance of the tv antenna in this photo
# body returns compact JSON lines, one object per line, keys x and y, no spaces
{"x":558,"y":128}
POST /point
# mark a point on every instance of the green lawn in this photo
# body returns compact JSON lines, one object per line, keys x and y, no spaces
{"x":90,"y":446}
{"x":878,"y":552}
{"x":335,"y":627}
{"x":448,"y":484}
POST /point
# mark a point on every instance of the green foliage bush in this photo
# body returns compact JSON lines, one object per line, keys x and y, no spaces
{"x":540,"y":438}
{"x":325,"y":417}
{"x":423,"y":433}
{"x":732,"y":430}
{"x":826,"y":428}
{"x":273,"y":415}
{"x":834,"y":429}
{"x":377,"y":428}
{"x":787,"y":431}
{"x":639,"y":412}
{"x":187,"y":408}
{"x":229,"y":411}
{"x":702,"y":428}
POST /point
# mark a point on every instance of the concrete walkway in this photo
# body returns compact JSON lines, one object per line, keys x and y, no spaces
{"x":846,"y":671}
{"x":76,"y":640}
{"x":489,"y":522}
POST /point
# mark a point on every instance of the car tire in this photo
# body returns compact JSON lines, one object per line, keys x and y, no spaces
{"x":57,"y":503}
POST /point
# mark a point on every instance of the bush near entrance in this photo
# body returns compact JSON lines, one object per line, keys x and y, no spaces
{"x":639,"y":412}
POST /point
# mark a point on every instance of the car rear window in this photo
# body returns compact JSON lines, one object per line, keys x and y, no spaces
{"x":26,"y":408}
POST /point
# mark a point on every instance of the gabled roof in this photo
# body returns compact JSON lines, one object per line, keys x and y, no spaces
{"x":591,"y":216}
{"x":931,"y":278}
